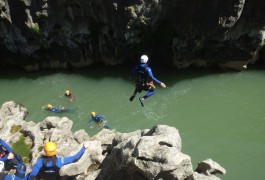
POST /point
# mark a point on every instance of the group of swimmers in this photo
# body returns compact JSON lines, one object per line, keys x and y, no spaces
{"x":68,"y":95}
{"x":98,"y":119}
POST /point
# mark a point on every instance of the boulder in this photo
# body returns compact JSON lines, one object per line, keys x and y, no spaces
{"x":197,"y":176}
{"x":152,"y":155}
{"x":209,"y":167}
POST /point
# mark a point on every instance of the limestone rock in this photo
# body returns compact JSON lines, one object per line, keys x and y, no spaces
{"x":68,"y":34}
{"x":143,"y":154}
{"x":197,"y":176}
{"x":209,"y":167}
{"x":150,"y":155}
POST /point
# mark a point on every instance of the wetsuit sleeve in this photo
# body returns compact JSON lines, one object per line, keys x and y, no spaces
{"x":6,"y":146}
{"x":90,"y":121}
{"x":67,"y":160}
{"x":4,"y":158}
{"x":101,"y":117}
{"x":9,"y":177}
{"x":35,"y":169}
{"x":4,"y":176}
{"x":149,"y":71}
{"x":56,"y":110}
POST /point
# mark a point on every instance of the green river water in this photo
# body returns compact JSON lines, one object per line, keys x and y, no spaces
{"x":220,"y":115}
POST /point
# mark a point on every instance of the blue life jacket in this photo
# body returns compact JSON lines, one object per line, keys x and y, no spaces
{"x":52,"y":172}
{"x":97,"y":120}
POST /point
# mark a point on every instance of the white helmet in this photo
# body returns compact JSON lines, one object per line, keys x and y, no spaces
{"x":2,"y":165}
{"x":144,"y":59}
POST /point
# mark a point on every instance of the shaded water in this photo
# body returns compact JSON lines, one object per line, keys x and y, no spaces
{"x":219,"y":115}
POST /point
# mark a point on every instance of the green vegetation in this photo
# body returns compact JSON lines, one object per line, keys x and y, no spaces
{"x":35,"y":28}
{"x":40,"y":148}
{"x":21,"y":148}
{"x":15,"y":129}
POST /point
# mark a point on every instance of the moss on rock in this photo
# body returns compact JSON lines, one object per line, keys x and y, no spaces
{"x":15,"y":128}
{"x":21,"y":148}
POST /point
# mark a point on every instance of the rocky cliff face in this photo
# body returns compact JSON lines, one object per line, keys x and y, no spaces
{"x":143,"y":154}
{"x":63,"y":33}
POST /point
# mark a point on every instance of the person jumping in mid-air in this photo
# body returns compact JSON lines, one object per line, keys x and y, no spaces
{"x":99,"y":120}
{"x":143,"y":73}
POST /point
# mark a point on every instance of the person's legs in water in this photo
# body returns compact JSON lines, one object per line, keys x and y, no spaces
{"x":104,"y":125}
{"x":107,"y":127}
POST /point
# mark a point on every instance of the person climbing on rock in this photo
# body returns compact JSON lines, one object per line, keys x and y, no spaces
{"x":99,"y":120}
{"x":144,"y":73}
{"x":49,"y":165}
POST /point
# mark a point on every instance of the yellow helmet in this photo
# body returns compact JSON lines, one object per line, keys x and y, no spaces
{"x":93,"y":113}
{"x":49,"y":106}
{"x":50,"y":148}
{"x":67,"y":92}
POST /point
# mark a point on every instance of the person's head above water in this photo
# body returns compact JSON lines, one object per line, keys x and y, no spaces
{"x":67,"y":92}
{"x":144,"y":59}
{"x":50,"y":148}
{"x":93,"y":113}
{"x":49,"y":106}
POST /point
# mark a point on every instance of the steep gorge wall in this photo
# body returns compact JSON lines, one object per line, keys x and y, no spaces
{"x":66,"y":33}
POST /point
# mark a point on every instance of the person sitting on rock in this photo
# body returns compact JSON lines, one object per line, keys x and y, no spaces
{"x":69,"y":95}
{"x":9,"y":158}
{"x":49,"y":165}
{"x":53,"y":109}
